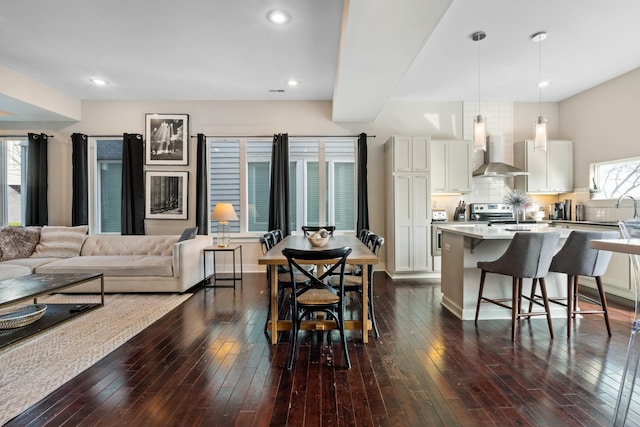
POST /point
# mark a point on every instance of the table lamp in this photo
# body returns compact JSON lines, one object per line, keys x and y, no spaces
{"x":223,"y":213}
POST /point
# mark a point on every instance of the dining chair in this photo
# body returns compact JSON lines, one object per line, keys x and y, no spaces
{"x":277,"y":235}
{"x":576,"y":259}
{"x":363,"y":235}
{"x":630,"y":229}
{"x":284,"y":278}
{"x":353,"y":283}
{"x":316,"y":295}
{"x":310,"y":229}
{"x":527,"y":256}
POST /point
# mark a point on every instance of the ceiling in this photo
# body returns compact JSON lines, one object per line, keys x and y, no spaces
{"x":360,"y":54}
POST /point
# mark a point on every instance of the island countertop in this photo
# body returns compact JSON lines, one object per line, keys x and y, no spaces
{"x":499,"y":231}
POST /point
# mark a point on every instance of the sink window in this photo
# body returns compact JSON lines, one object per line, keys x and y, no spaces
{"x":616,"y":178}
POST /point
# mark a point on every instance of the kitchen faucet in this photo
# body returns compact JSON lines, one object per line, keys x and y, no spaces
{"x":635,"y":204}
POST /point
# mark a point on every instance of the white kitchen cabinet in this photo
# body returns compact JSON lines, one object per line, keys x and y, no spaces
{"x":451,"y":166}
{"x":550,"y":171}
{"x":410,"y":153}
{"x":408,"y":210}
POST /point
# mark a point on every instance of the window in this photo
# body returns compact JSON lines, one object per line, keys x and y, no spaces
{"x":13,"y":160}
{"x":240,"y":174}
{"x":616,"y":178}
{"x":105,"y":189}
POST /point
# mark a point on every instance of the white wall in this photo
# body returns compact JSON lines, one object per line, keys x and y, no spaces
{"x":603,"y":123}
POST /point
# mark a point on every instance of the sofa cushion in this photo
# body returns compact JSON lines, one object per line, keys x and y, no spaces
{"x":9,"y":271}
{"x":18,"y":242}
{"x":113,"y":265}
{"x":60,"y":241}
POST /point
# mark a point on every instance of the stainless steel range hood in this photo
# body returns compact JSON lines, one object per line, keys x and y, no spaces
{"x":493,"y":165}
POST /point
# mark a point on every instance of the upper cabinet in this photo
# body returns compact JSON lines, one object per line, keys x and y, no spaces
{"x":550,"y":171}
{"x":451,"y":166}
{"x":410,"y":153}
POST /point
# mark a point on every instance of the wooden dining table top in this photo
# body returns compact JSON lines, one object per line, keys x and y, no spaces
{"x":360,"y":253}
{"x":625,"y":246}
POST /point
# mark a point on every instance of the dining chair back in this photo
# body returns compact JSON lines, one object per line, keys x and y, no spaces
{"x":316,"y":295}
{"x":363,"y":235}
{"x":576,"y":259}
{"x":527,"y":256}
{"x":277,"y":235}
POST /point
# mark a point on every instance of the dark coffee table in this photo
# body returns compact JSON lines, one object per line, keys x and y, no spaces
{"x":29,"y":287}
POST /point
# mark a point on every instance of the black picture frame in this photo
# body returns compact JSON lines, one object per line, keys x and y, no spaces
{"x":166,"y":195}
{"x":167,"y":139}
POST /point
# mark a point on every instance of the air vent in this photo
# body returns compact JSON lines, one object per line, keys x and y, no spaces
{"x":276,"y":90}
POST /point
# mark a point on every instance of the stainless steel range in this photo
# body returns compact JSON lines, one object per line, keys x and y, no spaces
{"x":490,"y":212}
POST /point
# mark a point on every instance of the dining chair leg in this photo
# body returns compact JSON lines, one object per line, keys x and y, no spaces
{"x":545,"y":300}
{"x":603,"y":302}
{"x":483,"y":275}
{"x":343,"y":338}
{"x":514,"y":305}
{"x":293,"y":340}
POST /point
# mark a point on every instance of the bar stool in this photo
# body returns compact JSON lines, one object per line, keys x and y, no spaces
{"x":577,"y":259}
{"x":527,"y":256}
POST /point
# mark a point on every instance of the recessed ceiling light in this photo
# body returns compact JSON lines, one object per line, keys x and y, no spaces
{"x":543,"y":83}
{"x":99,"y":82}
{"x":278,"y":17}
{"x":293,"y":82}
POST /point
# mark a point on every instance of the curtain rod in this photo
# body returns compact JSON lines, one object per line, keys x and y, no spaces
{"x":290,"y":136}
{"x":20,"y":136}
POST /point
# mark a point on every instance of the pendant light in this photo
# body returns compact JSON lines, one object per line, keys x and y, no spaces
{"x":540,"y":142}
{"x":479,"y":123}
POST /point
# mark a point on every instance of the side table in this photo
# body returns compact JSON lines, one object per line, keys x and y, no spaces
{"x":224,"y":276}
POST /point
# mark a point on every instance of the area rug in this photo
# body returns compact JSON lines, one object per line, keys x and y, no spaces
{"x":36,"y":366}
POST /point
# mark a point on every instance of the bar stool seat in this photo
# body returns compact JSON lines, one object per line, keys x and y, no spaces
{"x":576,"y":259}
{"x":527,"y":256}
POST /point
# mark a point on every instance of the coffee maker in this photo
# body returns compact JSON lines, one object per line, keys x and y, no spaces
{"x":558,"y":210}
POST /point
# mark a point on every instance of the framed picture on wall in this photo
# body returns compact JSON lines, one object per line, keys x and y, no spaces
{"x":166,"y":195}
{"x":167,"y":139}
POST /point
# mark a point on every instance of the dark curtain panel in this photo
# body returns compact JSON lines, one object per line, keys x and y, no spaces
{"x":37,"y":207}
{"x":132,"y":216}
{"x":80,"y":180}
{"x":279,"y":192}
{"x":202,"y":210}
{"x":362,"y":221}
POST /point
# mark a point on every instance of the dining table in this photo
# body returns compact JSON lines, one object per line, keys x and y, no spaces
{"x":630,"y":370}
{"x":360,"y":254}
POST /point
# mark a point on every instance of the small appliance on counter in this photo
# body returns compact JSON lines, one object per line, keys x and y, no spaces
{"x":580,"y":215}
{"x":567,"y":209}
{"x":460,"y":212}
{"x":558,"y":210}
{"x":438,"y":215}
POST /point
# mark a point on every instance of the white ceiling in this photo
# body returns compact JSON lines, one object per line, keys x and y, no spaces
{"x":360,"y":56}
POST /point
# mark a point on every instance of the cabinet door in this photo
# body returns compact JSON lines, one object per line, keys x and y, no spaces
{"x":439,"y":166}
{"x":537,"y":167}
{"x":420,"y":154}
{"x":402,"y":152}
{"x":421,"y":223}
{"x":403,"y":227}
{"x":560,"y":165}
{"x":459,"y":165}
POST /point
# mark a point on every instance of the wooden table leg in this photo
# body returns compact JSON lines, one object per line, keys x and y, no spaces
{"x":274,"y":304}
{"x":365,"y":303}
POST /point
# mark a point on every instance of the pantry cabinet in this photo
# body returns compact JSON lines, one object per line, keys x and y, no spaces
{"x":550,"y":171}
{"x":451,"y":166}
{"x":408,"y":206}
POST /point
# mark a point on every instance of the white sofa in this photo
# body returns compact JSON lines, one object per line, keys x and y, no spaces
{"x":129,"y":263}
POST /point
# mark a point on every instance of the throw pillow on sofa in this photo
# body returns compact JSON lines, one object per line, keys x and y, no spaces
{"x":18,"y":242}
{"x":60,"y":241}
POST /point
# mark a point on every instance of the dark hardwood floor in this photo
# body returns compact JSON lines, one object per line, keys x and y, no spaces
{"x":208,"y":363}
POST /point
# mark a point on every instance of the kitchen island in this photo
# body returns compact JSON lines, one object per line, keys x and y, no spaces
{"x":463,"y":245}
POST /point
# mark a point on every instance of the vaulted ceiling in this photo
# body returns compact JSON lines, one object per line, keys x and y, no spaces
{"x":359,"y":54}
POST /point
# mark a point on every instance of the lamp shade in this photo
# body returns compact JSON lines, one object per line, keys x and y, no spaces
{"x":540,"y":143}
{"x":479,"y":134}
{"x":224,"y":212}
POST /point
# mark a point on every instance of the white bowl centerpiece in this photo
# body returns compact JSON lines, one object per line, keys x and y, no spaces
{"x":319,"y":238}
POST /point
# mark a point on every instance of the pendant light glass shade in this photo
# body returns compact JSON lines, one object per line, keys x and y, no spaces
{"x":540,"y":143}
{"x":479,"y":123}
{"x":479,"y":134}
